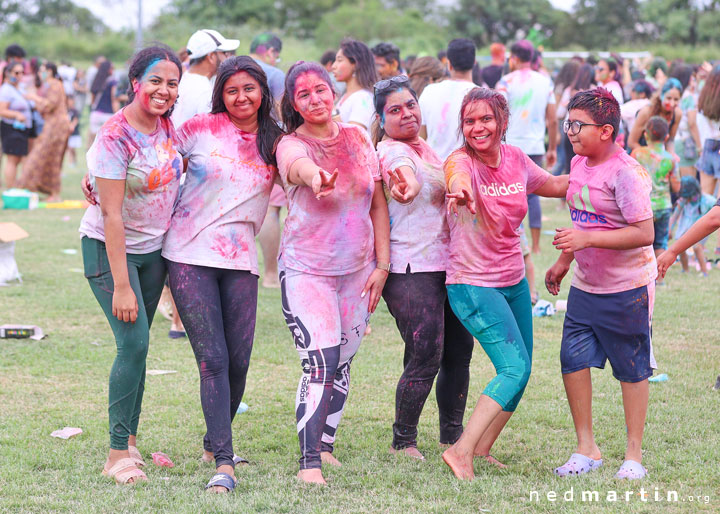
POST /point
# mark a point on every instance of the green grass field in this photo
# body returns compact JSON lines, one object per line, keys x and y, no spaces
{"x":62,"y":381}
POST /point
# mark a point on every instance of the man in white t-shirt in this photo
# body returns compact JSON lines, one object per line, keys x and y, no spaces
{"x":207,"y":49}
{"x":532,"y":111}
{"x":440,"y":102}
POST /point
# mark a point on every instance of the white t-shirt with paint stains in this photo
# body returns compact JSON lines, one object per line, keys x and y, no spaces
{"x":151,"y":168}
{"x":419,"y":233}
{"x":440,"y":107}
{"x":528,"y":94}
{"x":224,"y":199}
{"x":358,"y":108}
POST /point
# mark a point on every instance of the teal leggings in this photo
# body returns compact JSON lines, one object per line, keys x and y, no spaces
{"x":500,"y":318}
{"x":127,"y":376}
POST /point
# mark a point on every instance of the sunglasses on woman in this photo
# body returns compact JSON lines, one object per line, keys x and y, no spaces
{"x":399,"y":80}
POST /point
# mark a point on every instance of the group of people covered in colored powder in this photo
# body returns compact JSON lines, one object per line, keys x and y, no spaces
{"x":374,"y":210}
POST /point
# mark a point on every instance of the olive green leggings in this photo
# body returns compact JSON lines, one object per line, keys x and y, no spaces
{"x":127,"y":376}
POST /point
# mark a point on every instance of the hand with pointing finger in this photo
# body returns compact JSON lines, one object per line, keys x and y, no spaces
{"x":403,"y":190}
{"x":463,"y":198}
{"x":324,"y":183}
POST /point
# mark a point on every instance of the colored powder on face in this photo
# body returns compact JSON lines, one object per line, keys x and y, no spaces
{"x":150,"y":66}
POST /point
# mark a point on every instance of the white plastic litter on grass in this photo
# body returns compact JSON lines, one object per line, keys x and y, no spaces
{"x":160,"y":371}
{"x":67,"y":432}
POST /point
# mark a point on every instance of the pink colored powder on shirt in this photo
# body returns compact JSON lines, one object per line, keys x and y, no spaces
{"x":332,"y":235}
{"x":225,"y":197}
{"x":151,"y":168}
{"x":485,"y":247}
{"x":419,"y":233}
{"x":610,"y":196}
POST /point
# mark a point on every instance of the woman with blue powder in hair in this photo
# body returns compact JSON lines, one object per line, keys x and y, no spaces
{"x":666,"y":104}
{"x":135,"y":169}
{"x":415,"y":289}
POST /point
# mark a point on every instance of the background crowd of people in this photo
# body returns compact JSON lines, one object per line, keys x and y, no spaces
{"x":193,"y":155}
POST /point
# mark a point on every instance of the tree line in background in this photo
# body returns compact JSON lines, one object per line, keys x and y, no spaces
{"x":60,"y":28}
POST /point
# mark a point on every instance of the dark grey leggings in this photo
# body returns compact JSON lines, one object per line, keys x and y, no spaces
{"x":434,"y":340}
{"x":218,"y":308}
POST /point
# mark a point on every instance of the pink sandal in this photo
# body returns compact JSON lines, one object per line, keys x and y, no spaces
{"x":124,"y":471}
{"x":136,"y":456}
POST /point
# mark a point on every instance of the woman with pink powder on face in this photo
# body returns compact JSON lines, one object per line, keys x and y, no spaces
{"x":334,"y":255}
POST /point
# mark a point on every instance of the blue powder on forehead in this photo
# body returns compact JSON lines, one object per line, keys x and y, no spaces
{"x":150,"y":66}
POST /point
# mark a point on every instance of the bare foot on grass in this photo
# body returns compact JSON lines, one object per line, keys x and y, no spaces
{"x":311,"y":476}
{"x":410,"y":451}
{"x":491,"y":460}
{"x":328,"y":458}
{"x":461,"y":466}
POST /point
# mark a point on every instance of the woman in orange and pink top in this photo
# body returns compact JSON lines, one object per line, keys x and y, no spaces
{"x":486,"y":281}
{"x":334,"y":253}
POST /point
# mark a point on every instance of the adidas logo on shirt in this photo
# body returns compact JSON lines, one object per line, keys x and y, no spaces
{"x":587,"y":213}
{"x":496,"y":189}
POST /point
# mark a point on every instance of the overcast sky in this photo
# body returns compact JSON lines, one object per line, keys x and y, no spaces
{"x":119,"y":14}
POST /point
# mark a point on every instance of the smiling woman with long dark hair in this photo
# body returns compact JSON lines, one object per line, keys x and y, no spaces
{"x":210,"y":246}
{"x":135,"y":168}
{"x":334,"y":254}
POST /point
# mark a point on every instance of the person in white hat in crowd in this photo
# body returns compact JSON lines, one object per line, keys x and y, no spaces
{"x":207,"y":49}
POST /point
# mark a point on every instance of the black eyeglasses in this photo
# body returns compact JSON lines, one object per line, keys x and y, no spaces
{"x":573,"y":128}
{"x":399,"y":80}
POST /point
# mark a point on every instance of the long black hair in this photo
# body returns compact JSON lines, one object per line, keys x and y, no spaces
{"x":360,"y":55}
{"x":101,"y":77}
{"x":52,"y":68}
{"x":583,"y":79}
{"x":268,"y":130}
{"x":291,"y":118}
{"x":143,"y":60}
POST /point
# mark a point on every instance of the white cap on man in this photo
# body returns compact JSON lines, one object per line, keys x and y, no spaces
{"x":206,"y":41}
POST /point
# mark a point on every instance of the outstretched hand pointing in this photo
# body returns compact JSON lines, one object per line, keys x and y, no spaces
{"x":400,"y":190}
{"x":464,"y":197}
{"x":324,"y":183}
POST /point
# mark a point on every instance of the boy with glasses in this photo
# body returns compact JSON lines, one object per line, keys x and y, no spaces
{"x":612,"y":294}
